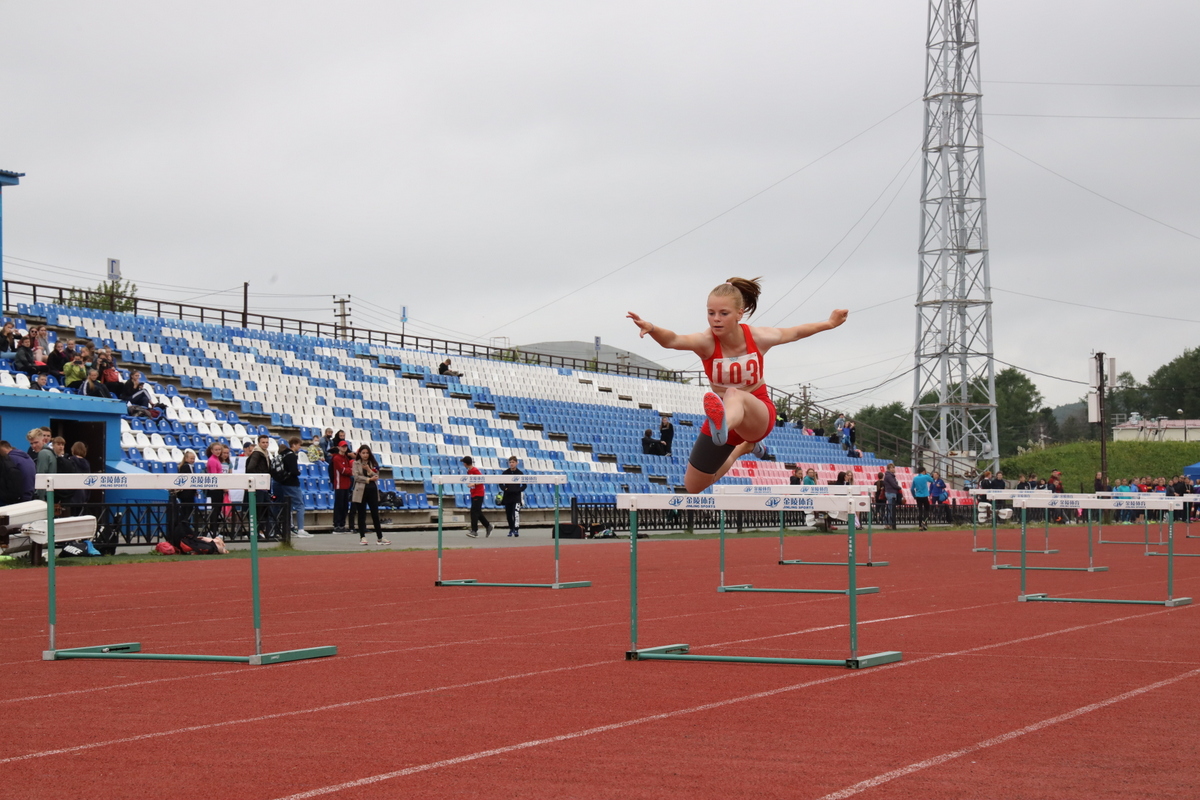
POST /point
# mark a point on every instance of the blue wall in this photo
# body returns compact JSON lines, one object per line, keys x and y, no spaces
{"x":22,"y":410}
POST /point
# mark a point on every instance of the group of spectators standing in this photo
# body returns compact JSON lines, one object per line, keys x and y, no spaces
{"x":662,"y":445}
{"x":47,"y":454}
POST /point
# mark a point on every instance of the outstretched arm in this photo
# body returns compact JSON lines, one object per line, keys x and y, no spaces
{"x":769,"y":337}
{"x":670,"y":339}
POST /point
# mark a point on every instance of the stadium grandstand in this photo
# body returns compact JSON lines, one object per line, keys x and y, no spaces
{"x":228,"y":383}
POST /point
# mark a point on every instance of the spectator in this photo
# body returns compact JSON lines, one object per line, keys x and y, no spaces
{"x":217,"y":509}
{"x":477,"y":493}
{"x":666,"y":434}
{"x":8,"y":341}
{"x":1098,"y":485}
{"x":1023,"y":484}
{"x":74,"y":372}
{"x":78,"y":457}
{"x":136,"y":393}
{"x":511,"y":499}
{"x":328,"y":444}
{"x":286,"y":483}
{"x":1123,"y":487}
{"x":185,"y":500}
{"x":315,"y":453}
{"x":43,"y":456}
{"x":64,"y":465}
{"x":366,"y":494}
{"x":892,"y":495}
{"x":840,"y":480}
{"x":444,"y":369}
{"x":921,"y":484}
{"x":58,"y":358}
{"x":12,"y":477}
{"x":342,"y":471}
{"x":39,"y":339}
{"x":106,"y":365}
{"x":40,"y":383}
{"x":797,"y":476}
{"x":23,"y":463}
{"x":258,"y":462}
{"x":940,"y":495}
{"x":24,"y":360}
{"x":810,"y":477}
{"x":92,"y":387}
{"x":650,"y":445}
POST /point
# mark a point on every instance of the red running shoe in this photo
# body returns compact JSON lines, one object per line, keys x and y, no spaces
{"x":714,"y":409}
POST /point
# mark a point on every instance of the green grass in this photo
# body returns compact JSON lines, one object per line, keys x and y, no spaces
{"x":1080,"y":461}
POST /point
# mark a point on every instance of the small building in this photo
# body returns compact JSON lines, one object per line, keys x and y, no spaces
{"x":1157,"y":430}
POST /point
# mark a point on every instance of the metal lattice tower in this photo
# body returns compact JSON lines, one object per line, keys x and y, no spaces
{"x":954,"y":390}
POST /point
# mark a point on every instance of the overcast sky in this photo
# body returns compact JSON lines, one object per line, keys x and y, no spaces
{"x":477,"y":161}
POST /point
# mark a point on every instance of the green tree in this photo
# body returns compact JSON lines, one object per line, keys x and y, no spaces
{"x":108,"y":296}
{"x":1128,"y":396}
{"x":1018,"y":402}
{"x":1175,"y":385}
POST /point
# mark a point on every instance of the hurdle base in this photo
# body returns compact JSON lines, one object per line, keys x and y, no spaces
{"x":638,"y":655}
{"x":1042,"y":598}
{"x":78,"y":652}
{"x":798,"y":563}
{"x":292,"y":655}
{"x":1027,"y":552}
{"x":746,"y":587}
{"x":473,"y":582}
{"x":131,"y":651}
{"x":874,"y":660}
{"x":1175,"y":555}
{"x":1052,"y":569}
{"x":679,"y":652}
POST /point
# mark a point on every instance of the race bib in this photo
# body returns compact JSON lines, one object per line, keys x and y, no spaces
{"x":736,"y":373}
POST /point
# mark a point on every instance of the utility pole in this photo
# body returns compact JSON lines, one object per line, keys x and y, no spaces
{"x":343,"y":317}
{"x":245,"y":303}
{"x":954,"y":383}
{"x":1103,"y":373}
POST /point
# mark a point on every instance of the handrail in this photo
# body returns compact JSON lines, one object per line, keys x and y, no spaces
{"x":23,"y":292}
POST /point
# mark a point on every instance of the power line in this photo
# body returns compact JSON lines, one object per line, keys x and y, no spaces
{"x":1091,"y":191}
{"x":861,"y":242}
{"x":1134,"y":85}
{"x":1082,"y":116}
{"x":844,"y":236}
{"x":1096,"y":308}
{"x":712,"y":219}
{"x":1035,"y":372}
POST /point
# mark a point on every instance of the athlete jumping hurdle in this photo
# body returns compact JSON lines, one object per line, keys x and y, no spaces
{"x":739,"y":410}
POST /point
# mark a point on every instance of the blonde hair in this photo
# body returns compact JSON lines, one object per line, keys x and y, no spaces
{"x":744,"y":290}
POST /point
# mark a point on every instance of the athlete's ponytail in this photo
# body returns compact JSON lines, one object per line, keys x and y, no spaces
{"x":744,"y":290}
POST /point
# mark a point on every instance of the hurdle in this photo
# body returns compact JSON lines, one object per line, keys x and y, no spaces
{"x":1003,"y":494}
{"x":746,"y":502}
{"x":812,"y":489}
{"x":556,"y":479}
{"x":1145,"y":525}
{"x":1089,"y":501}
{"x":1091,"y":567}
{"x":132,"y":650}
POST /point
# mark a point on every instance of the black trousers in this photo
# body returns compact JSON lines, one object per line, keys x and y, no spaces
{"x":370,"y":498}
{"x":477,"y":517}
{"x":512,"y":515}
{"x":922,"y":510}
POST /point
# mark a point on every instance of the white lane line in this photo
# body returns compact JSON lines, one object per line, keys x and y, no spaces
{"x":886,"y":777}
{"x":284,"y":714}
{"x":450,"y":762}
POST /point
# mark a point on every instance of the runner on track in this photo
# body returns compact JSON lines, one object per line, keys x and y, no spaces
{"x":739,"y":410}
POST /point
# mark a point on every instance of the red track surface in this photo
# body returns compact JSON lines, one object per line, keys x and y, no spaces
{"x":498,"y":693}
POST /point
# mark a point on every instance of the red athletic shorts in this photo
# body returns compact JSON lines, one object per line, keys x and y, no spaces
{"x":734,"y":439}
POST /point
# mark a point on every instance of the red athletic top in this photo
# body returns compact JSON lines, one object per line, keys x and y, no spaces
{"x":477,"y":489}
{"x":740,"y":372}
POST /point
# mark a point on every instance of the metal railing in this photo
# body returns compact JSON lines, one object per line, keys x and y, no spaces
{"x":146,"y":524}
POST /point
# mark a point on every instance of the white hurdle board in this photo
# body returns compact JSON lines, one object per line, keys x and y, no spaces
{"x":107,"y":480}
{"x":473,"y":480}
{"x":744,"y":502}
{"x":1002,"y":494}
{"x":787,"y":488}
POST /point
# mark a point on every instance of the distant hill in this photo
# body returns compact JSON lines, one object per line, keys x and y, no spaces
{"x":1062,"y":412}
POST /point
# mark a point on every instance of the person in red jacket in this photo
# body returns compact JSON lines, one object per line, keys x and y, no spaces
{"x":477,"y":493}
{"x":341,"y":471}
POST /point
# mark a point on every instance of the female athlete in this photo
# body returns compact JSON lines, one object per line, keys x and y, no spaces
{"x":739,"y":410}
